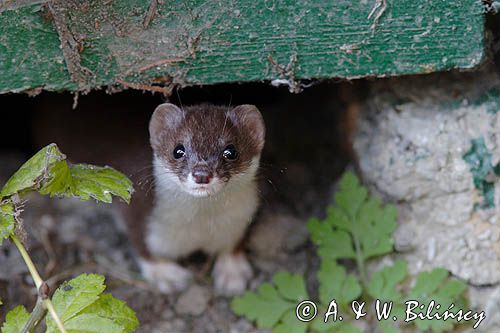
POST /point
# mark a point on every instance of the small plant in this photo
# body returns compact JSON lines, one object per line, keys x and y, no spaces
{"x":78,"y":305}
{"x":357,"y":228}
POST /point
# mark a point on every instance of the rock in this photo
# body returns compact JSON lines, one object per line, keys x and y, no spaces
{"x":486,"y":299}
{"x":277,"y":233}
{"x":431,"y":145}
{"x":193,"y":301}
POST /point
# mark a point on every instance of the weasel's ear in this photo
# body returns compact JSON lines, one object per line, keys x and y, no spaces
{"x":165,"y":118}
{"x":248,"y":118}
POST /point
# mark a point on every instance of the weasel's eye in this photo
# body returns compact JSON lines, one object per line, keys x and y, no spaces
{"x":230,"y":153}
{"x":179,"y":152}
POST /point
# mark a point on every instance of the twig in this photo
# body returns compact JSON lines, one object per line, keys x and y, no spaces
{"x":39,"y":283}
{"x":150,"y":14}
{"x":167,"y":91}
{"x":287,"y":73}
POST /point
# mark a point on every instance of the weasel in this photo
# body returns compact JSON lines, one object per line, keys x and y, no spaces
{"x":205,"y":160}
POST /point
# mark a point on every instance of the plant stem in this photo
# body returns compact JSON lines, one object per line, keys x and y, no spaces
{"x":27,"y":259}
{"x":360,"y":262}
{"x":48,"y":304}
{"x":38,"y":281}
{"x":36,"y":316}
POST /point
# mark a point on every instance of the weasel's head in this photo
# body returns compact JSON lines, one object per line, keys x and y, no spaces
{"x":201,"y":149}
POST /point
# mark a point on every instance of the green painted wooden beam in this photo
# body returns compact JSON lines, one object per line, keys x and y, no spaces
{"x":194,"y":42}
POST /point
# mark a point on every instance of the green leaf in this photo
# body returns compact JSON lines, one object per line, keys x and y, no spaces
{"x":357,"y":218}
{"x":290,"y":286}
{"x":92,"y":323}
{"x":351,"y":195}
{"x":74,"y":296}
{"x":335,"y":283}
{"x":349,"y":328}
{"x":290,"y":324}
{"x":116,"y":310}
{"x":436,"y":285}
{"x":82,"y":308}
{"x":383,"y":284}
{"x":331,"y":244}
{"x":15,"y":320}
{"x":334,"y":327}
{"x":60,"y":182}
{"x":49,"y":173}
{"x":272,"y":305}
{"x":388,"y":326}
{"x":7,"y":220}
{"x":100,"y":183}
{"x":376,"y":225}
{"x":34,"y":173}
{"x":266,"y":307}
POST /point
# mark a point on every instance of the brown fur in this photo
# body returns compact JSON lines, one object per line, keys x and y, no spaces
{"x":205,"y":130}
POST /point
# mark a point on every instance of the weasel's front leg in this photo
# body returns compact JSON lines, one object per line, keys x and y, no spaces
{"x":167,"y":276}
{"x":166,"y":243}
{"x":231,"y":273}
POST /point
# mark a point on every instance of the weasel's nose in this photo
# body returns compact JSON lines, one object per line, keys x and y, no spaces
{"x":202,"y":176}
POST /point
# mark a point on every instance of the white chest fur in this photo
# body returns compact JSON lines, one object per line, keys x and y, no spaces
{"x":181,"y":223}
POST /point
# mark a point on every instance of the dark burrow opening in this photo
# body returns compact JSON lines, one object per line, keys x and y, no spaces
{"x":307,"y":148}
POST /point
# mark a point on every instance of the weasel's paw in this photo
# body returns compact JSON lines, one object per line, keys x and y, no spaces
{"x":166,"y":276}
{"x":231,"y":274}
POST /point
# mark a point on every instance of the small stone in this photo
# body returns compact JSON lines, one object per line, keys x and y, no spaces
{"x":277,"y":233}
{"x":194,"y":301}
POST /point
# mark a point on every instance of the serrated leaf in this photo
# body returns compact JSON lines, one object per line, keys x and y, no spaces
{"x":15,"y":320}
{"x":92,"y":323}
{"x":49,"y":173}
{"x":265,"y":307}
{"x":357,"y":219}
{"x":376,"y":225}
{"x":100,"y":183}
{"x":331,"y":244}
{"x":290,"y":324}
{"x":335,"y":283}
{"x":271,"y":303}
{"x":437,"y":286}
{"x":351,"y":195}
{"x":75,"y":295}
{"x":33,"y":173}
{"x":60,"y":182}
{"x":334,"y":327}
{"x":290,"y":286}
{"x":7,"y":220}
{"x":428,"y":282}
{"x":383,"y":284}
{"x":319,"y":325}
{"x":116,"y":310}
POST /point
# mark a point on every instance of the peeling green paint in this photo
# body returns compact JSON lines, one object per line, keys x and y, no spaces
{"x":490,"y":100}
{"x":479,"y":159}
{"x":207,"y":41}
